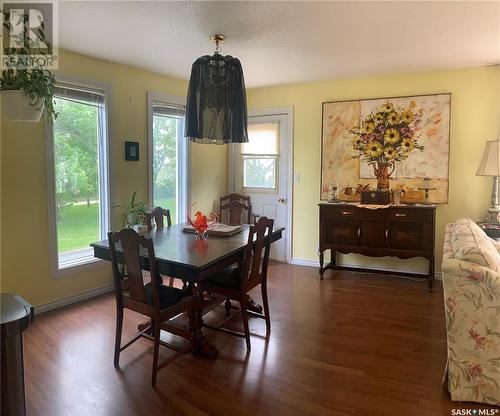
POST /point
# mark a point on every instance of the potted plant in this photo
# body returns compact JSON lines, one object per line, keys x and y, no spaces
{"x":26,"y":92}
{"x":135,"y":214}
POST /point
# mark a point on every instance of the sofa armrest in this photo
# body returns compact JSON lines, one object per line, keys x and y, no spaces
{"x":472,"y":306}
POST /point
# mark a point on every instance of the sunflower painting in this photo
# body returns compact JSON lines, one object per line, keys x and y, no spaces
{"x":387,"y":143}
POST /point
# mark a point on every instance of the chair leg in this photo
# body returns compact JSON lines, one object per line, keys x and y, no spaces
{"x":244,"y":318}
{"x":118,"y":336}
{"x":227,"y":306}
{"x":266,"y":305}
{"x":156,"y":330}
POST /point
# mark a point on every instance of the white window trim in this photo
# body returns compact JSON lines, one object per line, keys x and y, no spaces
{"x":183,"y":150}
{"x":90,"y":263}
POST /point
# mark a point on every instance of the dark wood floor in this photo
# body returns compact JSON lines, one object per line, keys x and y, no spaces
{"x":353,"y":344}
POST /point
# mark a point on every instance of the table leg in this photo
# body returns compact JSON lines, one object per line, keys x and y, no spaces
{"x":201,"y":345}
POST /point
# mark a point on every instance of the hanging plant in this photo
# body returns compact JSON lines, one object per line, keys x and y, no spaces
{"x":36,"y":84}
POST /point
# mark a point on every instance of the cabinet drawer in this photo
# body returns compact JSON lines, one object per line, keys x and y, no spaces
{"x":408,"y":214}
{"x":348,"y":212}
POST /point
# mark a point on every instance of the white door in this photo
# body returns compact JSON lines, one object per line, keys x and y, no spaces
{"x":260,"y":170}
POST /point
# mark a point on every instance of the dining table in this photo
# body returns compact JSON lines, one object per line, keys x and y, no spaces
{"x":184,"y":256}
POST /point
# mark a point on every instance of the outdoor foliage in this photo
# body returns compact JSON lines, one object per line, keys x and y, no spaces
{"x":164,"y":156}
{"x":260,"y":172}
{"x":75,"y":153}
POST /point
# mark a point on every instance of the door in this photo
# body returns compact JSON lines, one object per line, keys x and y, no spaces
{"x":260,"y":170}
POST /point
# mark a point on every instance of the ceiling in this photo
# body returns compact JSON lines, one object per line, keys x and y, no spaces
{"x":287,"y":42}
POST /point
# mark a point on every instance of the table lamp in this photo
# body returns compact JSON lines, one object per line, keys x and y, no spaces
{"x":490,"y":167}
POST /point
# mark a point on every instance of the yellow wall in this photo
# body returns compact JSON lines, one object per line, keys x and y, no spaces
{"x":24,"y":225}
{"x":24,"y":216}
{"x":474,"y":119}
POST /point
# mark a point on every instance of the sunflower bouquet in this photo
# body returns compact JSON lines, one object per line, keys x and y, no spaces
{"x":387,"y":136}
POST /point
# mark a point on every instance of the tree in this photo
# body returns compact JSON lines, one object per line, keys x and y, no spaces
{"x":75,"y":150}
{"x":165,"y":155}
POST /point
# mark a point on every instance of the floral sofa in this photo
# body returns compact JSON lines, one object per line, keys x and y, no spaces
{"x":471,"y":282}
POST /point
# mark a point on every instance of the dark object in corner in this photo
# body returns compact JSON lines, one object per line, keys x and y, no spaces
{"x":375,"y":197}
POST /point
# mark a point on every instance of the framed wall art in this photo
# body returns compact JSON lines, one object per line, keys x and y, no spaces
{"x":387,"y":143}
{"x":132,"y":151}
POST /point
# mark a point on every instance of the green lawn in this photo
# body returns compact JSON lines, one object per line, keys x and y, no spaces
{"x":79,"y":224}
{"x":78,"y":227}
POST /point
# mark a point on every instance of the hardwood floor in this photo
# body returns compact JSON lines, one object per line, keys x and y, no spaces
{"x":353,"y":344}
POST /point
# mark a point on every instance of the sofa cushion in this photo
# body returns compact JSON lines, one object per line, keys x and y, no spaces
{"x":470,"y":243}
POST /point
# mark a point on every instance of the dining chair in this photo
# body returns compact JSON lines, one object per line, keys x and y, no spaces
{"x":158,"y":214}
{"x":236,"y":282}
{"x":236,"y":209}
{"x":233,"y":208}
{"x":154,"y":300}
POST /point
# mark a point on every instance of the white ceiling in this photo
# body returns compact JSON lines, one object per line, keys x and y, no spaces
{"x":287,"y":42}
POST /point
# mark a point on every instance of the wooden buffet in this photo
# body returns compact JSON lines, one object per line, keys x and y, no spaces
{"x":402,"y":231}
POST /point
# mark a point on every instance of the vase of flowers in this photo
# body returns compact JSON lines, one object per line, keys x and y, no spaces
{"x":387,"y":136}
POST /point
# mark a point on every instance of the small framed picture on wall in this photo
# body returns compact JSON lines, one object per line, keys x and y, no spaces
{"x":132,"y":151}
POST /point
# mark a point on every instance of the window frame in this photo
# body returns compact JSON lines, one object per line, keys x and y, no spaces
{"x":104,"y":186}
{"x":183,"y":150}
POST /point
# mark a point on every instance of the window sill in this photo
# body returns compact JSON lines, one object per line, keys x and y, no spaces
{"x":72,"y":263}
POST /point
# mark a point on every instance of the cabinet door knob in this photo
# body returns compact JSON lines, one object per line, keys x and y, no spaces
{"x":399,"y":214}
{"x":346,"y":212}
{"x":386,"y":233}
{"x":359,"y":232}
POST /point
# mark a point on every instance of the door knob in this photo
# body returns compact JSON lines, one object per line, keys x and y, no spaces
{"x":282,"y":200}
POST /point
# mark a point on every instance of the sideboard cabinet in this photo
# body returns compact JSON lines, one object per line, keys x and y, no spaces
{"x":402,"y":231}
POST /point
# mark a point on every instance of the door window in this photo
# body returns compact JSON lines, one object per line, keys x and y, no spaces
{"x":260,"y":157}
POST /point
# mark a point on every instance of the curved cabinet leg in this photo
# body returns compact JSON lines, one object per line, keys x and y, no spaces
{"x":431,"y":273}
{"x":321,"y":262}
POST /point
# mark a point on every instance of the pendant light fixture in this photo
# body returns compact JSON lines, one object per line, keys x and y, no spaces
{"x":216,"y":108}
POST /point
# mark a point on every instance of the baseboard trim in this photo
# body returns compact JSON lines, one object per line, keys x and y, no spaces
{"x":45,"y":307}
{"x":303,"y":262}
{"x":313,"y":263}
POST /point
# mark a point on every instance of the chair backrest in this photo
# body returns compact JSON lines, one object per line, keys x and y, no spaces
{"x":131,"y":243}
{"x":236,"y":205}
{"x":257,"y":252}
{"x":158,"y":213}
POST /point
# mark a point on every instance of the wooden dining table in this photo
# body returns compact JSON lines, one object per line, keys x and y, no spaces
{"x":181,"y":255}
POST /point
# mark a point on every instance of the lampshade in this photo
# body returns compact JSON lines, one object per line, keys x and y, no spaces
{"x":490,"y":163}
{"x":216,"y":108}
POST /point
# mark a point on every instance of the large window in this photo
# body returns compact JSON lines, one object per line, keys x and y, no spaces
{"x":80,"y":174}
{"x":168,"y":155}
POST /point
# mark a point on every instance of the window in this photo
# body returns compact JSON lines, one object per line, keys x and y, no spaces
{"x":260,"y":156}
{"x":168,"y":154}
{"x":79,"y":167}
